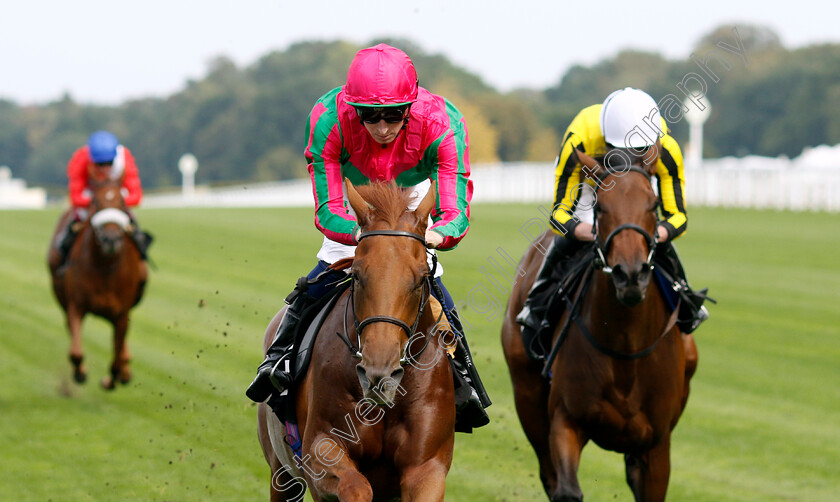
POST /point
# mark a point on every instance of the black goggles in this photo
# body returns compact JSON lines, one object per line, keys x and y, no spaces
{"x":104,"y":164}
{"x":389,"y":115}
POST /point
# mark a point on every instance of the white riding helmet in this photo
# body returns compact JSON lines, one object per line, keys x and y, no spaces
{"x":630,"y":119}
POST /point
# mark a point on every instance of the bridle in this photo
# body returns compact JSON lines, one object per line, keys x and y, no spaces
{"x":410,"y":331}
{"x":601,"y":250}
{"x":585,"y":272}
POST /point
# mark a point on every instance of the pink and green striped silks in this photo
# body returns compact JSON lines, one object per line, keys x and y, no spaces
{"x":433,"y":145}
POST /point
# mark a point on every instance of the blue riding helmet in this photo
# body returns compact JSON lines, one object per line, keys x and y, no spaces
{"x":103,"y":146}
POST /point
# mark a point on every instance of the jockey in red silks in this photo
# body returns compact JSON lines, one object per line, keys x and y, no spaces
{"x":381,"y":126}
{"x":103,"y":157}
{"x":110,"y":160}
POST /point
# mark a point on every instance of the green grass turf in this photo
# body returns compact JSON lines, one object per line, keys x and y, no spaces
{"x":761,"y":423}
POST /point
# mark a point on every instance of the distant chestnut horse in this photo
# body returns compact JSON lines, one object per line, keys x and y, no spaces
{"x":621,"y":374}
{"x":376,"y":409}
{"x":103,"y":275}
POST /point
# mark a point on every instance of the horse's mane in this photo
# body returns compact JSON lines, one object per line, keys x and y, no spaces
{"x":389,"y":201}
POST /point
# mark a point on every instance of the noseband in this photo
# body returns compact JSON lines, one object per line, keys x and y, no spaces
{"x":410,"y":331}
{"x":602,"y":250}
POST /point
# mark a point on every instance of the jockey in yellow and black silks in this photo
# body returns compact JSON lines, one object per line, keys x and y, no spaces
{"x":584,"y":134}
{"x":628,"y":123}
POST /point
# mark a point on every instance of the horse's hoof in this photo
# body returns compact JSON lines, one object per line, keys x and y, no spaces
{"x":108,"y":384}
{"x":80,"y":377}
{"x":125,"y":379}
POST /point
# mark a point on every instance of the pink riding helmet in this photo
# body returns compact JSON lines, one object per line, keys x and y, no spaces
{"x":381,"y":76}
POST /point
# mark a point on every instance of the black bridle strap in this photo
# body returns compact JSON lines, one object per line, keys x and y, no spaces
{"x":410,"y":331}
{"x":393,"y":233}
{"x":629,"y":226}
{"x":602,"y":250}
{"x":384,"y":318}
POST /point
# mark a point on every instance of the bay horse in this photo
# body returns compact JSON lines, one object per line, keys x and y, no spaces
{"x":373,"y":426}
{"x":620,"y":375}
{"x":103,"y":275}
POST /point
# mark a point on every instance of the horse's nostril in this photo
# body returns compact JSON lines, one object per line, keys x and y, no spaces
{"x":619,"y":276}
{"x":363,"y":378}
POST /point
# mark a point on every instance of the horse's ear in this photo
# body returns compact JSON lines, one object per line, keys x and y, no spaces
{"x":586,"y":160}
{"x":359,"y":205}
{"x":427,"y":204}
{"x":651,"y":157}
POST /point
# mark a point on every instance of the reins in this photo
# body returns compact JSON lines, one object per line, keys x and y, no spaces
{"x":583,"y":276}
{"x":672,"y":321}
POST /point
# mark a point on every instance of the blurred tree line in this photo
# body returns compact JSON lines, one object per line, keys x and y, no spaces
{"x":247,"y":124}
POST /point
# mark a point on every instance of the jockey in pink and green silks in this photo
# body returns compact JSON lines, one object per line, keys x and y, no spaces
{"x":431,"y":144}
{"x":381,"y":127}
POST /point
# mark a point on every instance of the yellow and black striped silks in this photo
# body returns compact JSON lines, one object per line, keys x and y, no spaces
{"x":584,"y":134}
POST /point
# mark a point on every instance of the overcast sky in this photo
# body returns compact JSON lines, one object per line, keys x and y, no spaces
{"x":108,"y":51}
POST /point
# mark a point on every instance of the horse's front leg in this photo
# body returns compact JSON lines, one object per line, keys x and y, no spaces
{"x":119,"y":365}
{"x":333,"y":474}
{"x":74,"y":317}
{"x":426,"y":482}
{"x":566,"y":443}
{"x":530,"y":392}
{"x":648,"y":474}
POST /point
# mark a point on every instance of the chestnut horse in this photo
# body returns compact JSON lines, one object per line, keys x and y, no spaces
{"x":103,"y":275}
{"x":620,"y":375}
{"x":376,"y":409}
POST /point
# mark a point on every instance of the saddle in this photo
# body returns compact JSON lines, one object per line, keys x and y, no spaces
{"x":307,"y":330}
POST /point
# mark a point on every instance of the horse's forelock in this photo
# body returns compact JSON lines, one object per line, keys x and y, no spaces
{"x":389,"y":201}
{"x":619,"y":159}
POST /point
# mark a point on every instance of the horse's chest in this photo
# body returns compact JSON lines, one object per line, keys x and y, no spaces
{"x":107,"y":300}
{"x":618,"y":419}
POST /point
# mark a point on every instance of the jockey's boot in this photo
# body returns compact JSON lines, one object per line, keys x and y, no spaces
{"x":63,"y":244}
{"x":470,"y":395}
{"x":692,"y":311}
{"x":533,"y":316}
{"x":142,"y":240}
{"x":275,"y":372}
